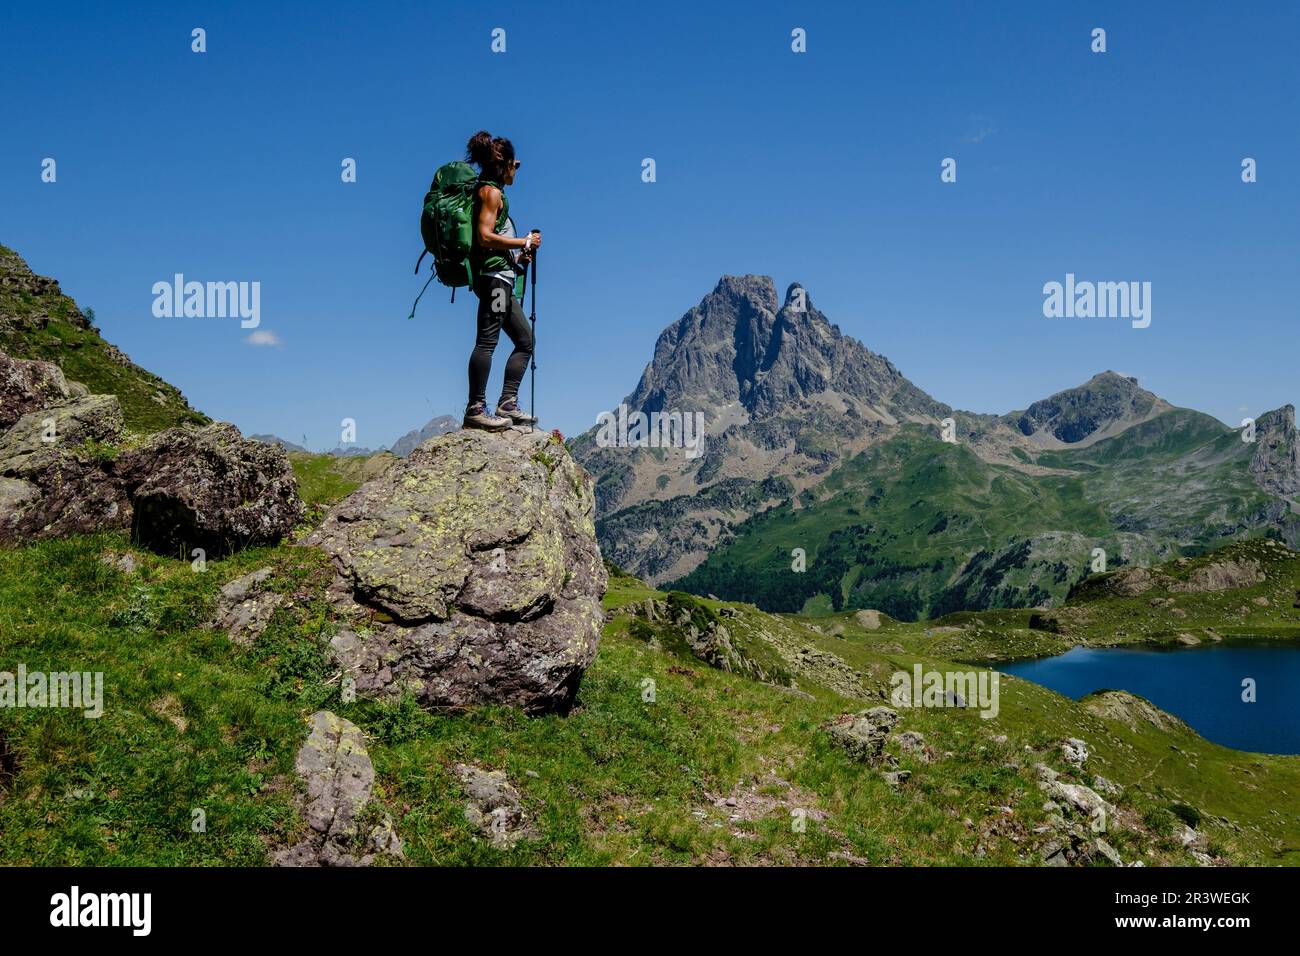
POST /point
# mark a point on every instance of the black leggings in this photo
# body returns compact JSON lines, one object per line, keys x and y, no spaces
{"x":498,"y":307}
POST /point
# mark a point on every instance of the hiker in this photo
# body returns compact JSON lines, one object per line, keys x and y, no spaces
{"x":498,"y":258}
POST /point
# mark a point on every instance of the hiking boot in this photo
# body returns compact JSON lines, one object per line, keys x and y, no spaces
{"x":509,"y":408}
{"x":476,"y":416}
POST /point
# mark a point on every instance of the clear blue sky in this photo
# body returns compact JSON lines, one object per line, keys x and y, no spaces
{"x":820,"y":167}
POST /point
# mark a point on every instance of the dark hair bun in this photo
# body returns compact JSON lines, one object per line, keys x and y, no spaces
{"x":479,"y":149}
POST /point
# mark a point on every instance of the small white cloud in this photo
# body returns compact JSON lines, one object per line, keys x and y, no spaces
{"x":263,"y":337}
{"x":978,"y":129}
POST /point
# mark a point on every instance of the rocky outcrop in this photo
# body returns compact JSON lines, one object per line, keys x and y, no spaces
{"x":1129,"y":582}
{"x":1129,"y":709}
{"x":1227,"y":575}
{"x":1077,"y":814}
{"x":339,"y":779}
{"x":27,"y":386}
{"x":1275,"y":463}
{"x":474,"y":568}
{"x":37,"y":321}
{"x":62,"y":471}
{"x":29,"y":301}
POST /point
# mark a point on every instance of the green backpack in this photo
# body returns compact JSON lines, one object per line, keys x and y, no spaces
{"x":447,"y":227}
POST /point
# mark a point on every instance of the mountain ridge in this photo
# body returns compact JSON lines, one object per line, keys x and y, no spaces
{"x":789,"y":400}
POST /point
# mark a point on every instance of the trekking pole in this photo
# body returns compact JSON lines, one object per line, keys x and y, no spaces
{"x":532,"y":320}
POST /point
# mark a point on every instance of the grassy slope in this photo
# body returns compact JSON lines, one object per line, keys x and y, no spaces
{"x":149,"y":404}
{"x":323,"y":479}
{"x":916,"y":527}
{"x":619,"y":780}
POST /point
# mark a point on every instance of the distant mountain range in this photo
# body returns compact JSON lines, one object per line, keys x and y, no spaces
{"x":436,"y":426}
{"x":402,"y":447}
{"x":821,"y":454}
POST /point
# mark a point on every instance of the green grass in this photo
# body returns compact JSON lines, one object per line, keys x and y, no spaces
{"x":326,"y":479}
{"x":620,"y":780}
{"x":149,"y":404}
{"x":918,"y":528}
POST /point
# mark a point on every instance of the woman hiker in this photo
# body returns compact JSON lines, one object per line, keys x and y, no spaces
{"x":498,"y":256}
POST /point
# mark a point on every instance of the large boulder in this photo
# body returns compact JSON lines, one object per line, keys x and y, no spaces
{"x":209,"y":488}
{"x":53,"y":479}
{"x":474,"y":566}
{"x":39,"y":439}
{"x":27,"y":385}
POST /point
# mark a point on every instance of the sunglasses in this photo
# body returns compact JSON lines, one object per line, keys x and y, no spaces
{"x":515,"y":164}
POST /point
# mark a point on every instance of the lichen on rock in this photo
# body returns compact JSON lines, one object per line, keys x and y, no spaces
{"x":470,"y":574}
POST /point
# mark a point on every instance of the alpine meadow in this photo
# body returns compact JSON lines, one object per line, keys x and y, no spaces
{"x":811,"y":436}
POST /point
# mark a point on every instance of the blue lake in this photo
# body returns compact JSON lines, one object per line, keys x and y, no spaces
{"x":1202,"y":685}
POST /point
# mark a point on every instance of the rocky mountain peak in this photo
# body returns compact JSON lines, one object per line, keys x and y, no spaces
{"x":1102,"y":406}
{"x":738,"y":346}
{"x":1276,"y":461}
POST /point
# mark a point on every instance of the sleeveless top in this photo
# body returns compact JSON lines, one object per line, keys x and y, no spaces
{"x":494,"y":262}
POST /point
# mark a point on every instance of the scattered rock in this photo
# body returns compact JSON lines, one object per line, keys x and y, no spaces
{"x":896,"y":778}
{"x":863,"y":735}
{"x":169,"y":708}
{"x":339,"y":779}
{"x":1104,"y":849}
{"x":1081,"y":798}
{"x":1075,"y":751}
{"x":1190,"y":838}
{"x":911,"y":742}
{"x":869,"y":620}
{"x":1189,"y":639}
{"x":1106,"y":787}
{"x":494,"y":806}
{"x":244,"y":607}
{"x":61,"y":473}
{"x":123,"y":561}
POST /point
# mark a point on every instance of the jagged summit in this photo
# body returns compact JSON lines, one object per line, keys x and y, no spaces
{"x":788,"y":398}
{"x":742,"y":346}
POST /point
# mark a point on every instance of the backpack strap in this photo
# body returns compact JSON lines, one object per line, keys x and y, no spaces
{"x":419,"y":260}
{"x":421,"y":295}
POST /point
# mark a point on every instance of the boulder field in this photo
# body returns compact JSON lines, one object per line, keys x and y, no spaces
{"x":68,"y":466}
